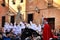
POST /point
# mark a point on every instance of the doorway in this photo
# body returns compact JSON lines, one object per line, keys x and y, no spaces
{"x":51,"y":22}
{"x":12,"y":19}
{"x":3,"y":21}
{"x":30,"y":17}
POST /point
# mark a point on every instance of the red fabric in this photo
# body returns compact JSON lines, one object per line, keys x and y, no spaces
{"x":46,"y":19}
{"x":47,"y":34}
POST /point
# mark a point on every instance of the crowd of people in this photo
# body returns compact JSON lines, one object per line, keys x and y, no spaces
{"x":17,"y":28}
{"x":25,"y":31}
{"x":14,"y":31}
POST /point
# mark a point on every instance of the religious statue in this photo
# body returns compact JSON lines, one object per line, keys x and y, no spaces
{"x":19,"y":15}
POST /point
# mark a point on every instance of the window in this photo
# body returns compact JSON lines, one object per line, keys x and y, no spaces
{"x":3,"y":4}
{"x":50,"y":4}
{"x":3,"y":21}
{"x":21,"y":1}
{"x":12,"y":19}
{"x":13,"y":1}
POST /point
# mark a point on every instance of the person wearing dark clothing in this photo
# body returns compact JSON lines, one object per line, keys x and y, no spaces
{"x":7,"y":37}
{"x":27,"y":32}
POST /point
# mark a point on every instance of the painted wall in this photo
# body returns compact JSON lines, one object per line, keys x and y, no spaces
{"x":18,"y":3}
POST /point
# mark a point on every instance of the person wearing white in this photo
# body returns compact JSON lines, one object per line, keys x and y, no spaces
{"x":6,"y":27}
{"x":14,"y":28}
{"x":31,"y":22}
{"x":39,"y":28}
{"x":33,"y":26}
{"x":22,"y":25}
{"x":18,"y":29}
{"x":10,"y":26}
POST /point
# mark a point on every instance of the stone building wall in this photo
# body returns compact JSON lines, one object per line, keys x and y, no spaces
{"x":45,"y":11}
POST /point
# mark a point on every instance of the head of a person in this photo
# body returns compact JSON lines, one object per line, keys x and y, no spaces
{"x":6,"y":23}
{"x":20,"y":25}
{"x":8,"y":34}
{"x":11,"y":24}
{"x":59,"y":30}
{"x":16,"y":24}
{"x":45,"y":21}
{"x":30,"y":21}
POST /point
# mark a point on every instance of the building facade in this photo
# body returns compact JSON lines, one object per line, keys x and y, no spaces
{"x":48,"y":9}
{"x":32,"y":10}
{"x":9,"y":10}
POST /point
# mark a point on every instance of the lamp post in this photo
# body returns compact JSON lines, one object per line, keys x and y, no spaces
{"x":37,"y":10}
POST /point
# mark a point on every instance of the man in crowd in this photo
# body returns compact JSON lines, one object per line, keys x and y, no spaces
{"x":47,"y":34}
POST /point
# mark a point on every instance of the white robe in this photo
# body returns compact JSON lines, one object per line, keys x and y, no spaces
{"x":10,"y":26}
{"x":6,"y":27}
{"x":33,"y":26}
{"x":22,"y":25}
{"x":31,"y":23}
{"x":17,"y":29}
{"x":39,"y":28}
{"x":14,"y":29}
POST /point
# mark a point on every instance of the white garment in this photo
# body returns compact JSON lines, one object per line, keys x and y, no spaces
{"x":31,"y":22}
{"x":39,"y":28}
{"x":22,"y":25}
{"x":14,"y":29}
{"x":17,"y":29}
{"x":28,"y":25}
{"x":34,"y":27}
{"x":6,"y":27}
{"x":10,"y":26}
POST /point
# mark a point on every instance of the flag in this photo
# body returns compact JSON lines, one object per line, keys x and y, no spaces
{"x":42,"y":25}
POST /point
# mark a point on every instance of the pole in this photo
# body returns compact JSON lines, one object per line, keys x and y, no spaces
{"x":8,"y":5}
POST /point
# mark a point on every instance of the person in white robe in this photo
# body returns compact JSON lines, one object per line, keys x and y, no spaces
{"x":10,"y":26}
{"x":15,"y":29}
{"x":22,"y":25}
{"x":39,"y":29}
{"x":6,"y":27}
{"x":31,"y":23}
{"x":33,"y":26}
{"x":18,"y":28}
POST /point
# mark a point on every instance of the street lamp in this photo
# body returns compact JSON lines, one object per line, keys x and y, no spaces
{"x":37,"y":10}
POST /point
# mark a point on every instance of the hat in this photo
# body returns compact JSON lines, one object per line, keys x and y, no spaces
{"x":46,"y":19}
